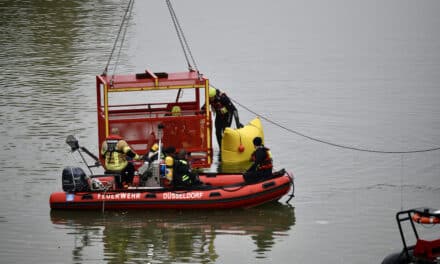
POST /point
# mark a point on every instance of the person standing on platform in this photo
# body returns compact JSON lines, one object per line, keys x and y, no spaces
{"x":224,"y":112}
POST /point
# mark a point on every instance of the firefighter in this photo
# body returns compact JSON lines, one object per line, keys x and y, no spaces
{"x":262,"y":163}
{"x":224,"y":111}
{"x":183,"y":175}
{"x":116,"y":154}
{"x":178,"y":170}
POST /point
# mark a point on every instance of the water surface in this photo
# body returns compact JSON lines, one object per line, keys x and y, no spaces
{"x":358,"y":73}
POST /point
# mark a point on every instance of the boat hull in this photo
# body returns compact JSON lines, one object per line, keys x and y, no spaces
{"x":204,"y":197}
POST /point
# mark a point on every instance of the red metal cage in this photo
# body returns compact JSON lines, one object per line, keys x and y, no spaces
{"x":129,"y":102}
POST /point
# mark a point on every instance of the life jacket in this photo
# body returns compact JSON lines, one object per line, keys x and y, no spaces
{"x":266,"y":164}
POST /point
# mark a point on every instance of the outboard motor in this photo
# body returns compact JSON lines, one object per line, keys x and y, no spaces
{"x":74,"y":179}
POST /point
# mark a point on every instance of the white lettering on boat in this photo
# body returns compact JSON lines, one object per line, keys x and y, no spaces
{"x":183,"y":196}
{"x":119,"y":196}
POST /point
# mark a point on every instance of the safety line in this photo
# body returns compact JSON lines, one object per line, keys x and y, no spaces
{"x":335,"y":144}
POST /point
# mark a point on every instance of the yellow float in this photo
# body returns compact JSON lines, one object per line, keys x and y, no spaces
{"x":237,"y":145}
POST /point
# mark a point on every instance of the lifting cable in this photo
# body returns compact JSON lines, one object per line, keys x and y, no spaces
{"x":122,"y":29}
{"x":183,"y":43}
{"x":334,"y":144}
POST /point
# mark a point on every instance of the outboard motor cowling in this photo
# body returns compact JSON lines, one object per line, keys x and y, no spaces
{"x":74,"y":179}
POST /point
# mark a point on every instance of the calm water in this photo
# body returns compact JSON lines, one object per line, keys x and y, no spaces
{"x":363,"y":74}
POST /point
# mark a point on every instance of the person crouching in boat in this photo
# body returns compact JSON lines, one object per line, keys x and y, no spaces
{"x":262,"y":163}
{"x":116,"y":152}
{"x":224,"y":111}
{"x":178,"y":174}
{"x":183,"y":176}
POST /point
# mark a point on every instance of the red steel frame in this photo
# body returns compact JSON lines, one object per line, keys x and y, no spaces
{"x":138,"y":123}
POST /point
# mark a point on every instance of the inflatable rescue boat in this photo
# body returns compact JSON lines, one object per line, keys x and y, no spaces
{"x":424,"y":251}
{"x":150,"y":189}
{"x":215,"y":192}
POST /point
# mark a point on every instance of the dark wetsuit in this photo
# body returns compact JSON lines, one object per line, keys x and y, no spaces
{"x":261,"y":168}
{"x":224,"y":111}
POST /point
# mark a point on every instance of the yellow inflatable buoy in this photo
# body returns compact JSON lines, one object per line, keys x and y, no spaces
{"x":237,"y":145}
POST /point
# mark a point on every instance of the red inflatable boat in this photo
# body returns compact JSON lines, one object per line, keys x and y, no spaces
{"x":205,"y":196}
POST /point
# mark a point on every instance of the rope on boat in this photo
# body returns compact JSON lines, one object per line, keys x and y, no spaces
{"x":183,"y":43}
{"x":122,"y":28}
{"x":103,"y":201}
{"x":293,"y":187}
{"x":335,"y":144}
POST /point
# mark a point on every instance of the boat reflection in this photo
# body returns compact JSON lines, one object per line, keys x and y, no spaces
{"x":172,"y":235}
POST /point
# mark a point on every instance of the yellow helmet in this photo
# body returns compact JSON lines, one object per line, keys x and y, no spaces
{"x":212,"y":92}
{"x":169,"y":161}
{"x":155,"y":147}
{"x":175,"y":111}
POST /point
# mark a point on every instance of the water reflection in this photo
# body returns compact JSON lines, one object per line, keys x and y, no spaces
{"x":51,"y":51}
{"x":172,"y":236}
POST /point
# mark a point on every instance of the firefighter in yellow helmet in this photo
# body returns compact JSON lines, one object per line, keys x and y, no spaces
{"x":176,"y":111}
{"x":178,"y":172}
{"x":224,"y":111}
{"x":184,"y":177}
{"x":115,"y":151}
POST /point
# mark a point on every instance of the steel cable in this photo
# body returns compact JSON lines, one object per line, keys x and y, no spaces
{"x":127,"y":14}
{"x":183,"y":42}
{"x":331,"y":143}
